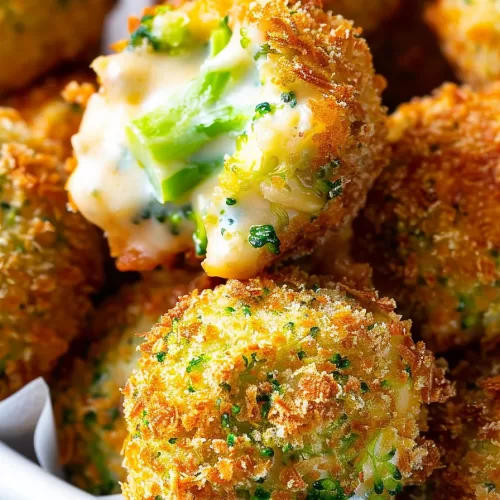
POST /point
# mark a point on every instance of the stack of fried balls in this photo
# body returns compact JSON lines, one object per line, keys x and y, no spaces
{"x":255,"y":251}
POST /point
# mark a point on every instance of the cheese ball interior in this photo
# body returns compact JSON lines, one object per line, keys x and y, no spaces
{"x":430,"y":228}
{"x":467,"y":429}
{"x":50,"y":259}
{"x":470,"y":36}
{"x":240,"y":131}
{"x":279,"y":388}
{"x":88,"y":402}
{"x":38,"y":35}
{"x":368,"y":14}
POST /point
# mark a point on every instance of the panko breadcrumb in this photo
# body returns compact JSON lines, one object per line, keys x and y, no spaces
{"x":284,"y":388}
{"x":469,"y":31}
{"x":54,"y":108}
{"x":50,"y":258}
{"x":467,"y":429}
{"x":88,"y":402}
{"x":40,"y":34}
{"x":430,"y":228}
{"x":305,"y":142}
{"x":368,"y":14}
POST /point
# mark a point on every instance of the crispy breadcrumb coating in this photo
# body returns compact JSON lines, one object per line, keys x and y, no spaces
{"x":469,"y":31}
{"x":88,"y":402}
{"x":53,"y":109}
{"x":50,"y":258}
{"x":430,"y":227}
{"x":302,"y":163}
{"x":368,"y":14}
{"x":467,"y":429}
{"x":279,"y":388}
{"x":309,"y":46}
{"x":38,"y":35}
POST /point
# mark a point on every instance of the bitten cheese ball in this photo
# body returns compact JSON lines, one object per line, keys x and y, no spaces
{"x":38,"y":35}
{"x":469,"y":31}
{"x":467,"y":429}
{"x":239,"y":131}
{"x":88,"y":401}
{"x":430,"y":228}
{"x":51,"y":259}
{"x":368,"y":14}
{"x":279,"y":388}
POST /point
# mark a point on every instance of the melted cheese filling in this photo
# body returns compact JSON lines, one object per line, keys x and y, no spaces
{"x":112,"y":190}
{"x":108,"y":186}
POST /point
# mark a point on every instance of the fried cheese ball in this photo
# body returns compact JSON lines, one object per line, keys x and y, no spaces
{"x":368,"y":14}
{"x":430,"y":228}
{"x":88,"y":402}
{"x":240,"y":131}
{"x":50,"y":258}
{"x":469,"y":31}
{"x":38,"y":35}
{"x":280,"y":389}
{"x":468,"y":431}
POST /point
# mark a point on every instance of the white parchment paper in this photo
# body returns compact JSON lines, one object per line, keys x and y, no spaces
{"x":29,"y":467}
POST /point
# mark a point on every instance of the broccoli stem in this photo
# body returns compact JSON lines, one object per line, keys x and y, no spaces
{"x":163,"y":140}
{"x":166,"y":135}
{"x":200,"y":235}
{"x":187,"y":178}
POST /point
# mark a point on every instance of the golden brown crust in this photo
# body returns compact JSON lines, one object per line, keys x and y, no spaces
{"x":368,"y":14}
{"x":327,"y":55}
{"x":430,"y":226}
{"x":258,"y":379}
{"x":133,"y":259}
{"x":467,"y":429}
{"x":87,"y":401}
{"x":470,"y":37}
{"x":53,"y":109}
{"x":50,"y":263}
{"x":37,"y":36}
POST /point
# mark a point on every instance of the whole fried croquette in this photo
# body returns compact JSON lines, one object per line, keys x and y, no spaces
{"x":38,"y":35}
{"x":467,"y":429}
{"x":88,"y":401}
{"x":239,"y":131}
{"x":470,"y":36}
{"x":291,"y":387}
{"x":430,"y":228}
{"x":368,"y":14}
{"x":50,"y":258}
